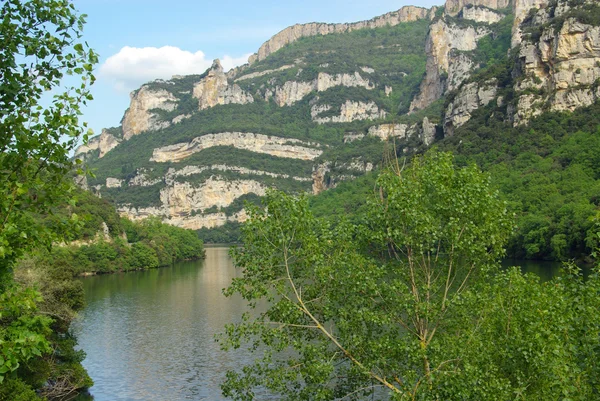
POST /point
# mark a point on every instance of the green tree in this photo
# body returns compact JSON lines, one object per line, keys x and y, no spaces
{"x":40,"y":45}
{"x":366,"y":307}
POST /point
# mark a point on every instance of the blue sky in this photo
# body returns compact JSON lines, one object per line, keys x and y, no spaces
{"x":141,"y":40}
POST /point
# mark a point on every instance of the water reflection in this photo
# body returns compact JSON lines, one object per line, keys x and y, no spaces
{"x":150,"y":335}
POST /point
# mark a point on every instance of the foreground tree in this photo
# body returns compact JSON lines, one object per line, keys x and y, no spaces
{"x":40,"y":45}
{"x":409,"y":304}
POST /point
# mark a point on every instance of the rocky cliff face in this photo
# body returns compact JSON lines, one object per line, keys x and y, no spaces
{"x":561,"y":70}
{"x":181,"y":201}
{"x":454,"y":7}
{"x":471,"y":97}
{"x":443,"y":42}
{"x":291,"y":91}
{"x":350,"y":111}
{"x":103,"y":143}
{"x":140,"y":117}
{"x":326,"y":106}
{"x":272,"y":145}
{"x":293,"y":33}
{"x":215,"y":89}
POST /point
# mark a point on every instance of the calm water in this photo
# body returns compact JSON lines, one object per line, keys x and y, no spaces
{"x":150,"y":335}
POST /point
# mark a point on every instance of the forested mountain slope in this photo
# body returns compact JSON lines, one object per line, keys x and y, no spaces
{"x":319,"y":104}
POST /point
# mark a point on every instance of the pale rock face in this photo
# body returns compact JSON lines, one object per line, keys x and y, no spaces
{"x":459,"y":70}
{"x":352,"y":136}
{"x":179,"y":200}
{"x":318,"y":175}
{"x":263,"y":73}
{"x":141,"y":179}
{"x":272,"y":145}
{"x":214,"y":89}
{"x":180,"y":118}
{"x":113,"y":182}
{"x":441,"y":40}
{"x":138,"y":118}
{"x":453,"y":7}
{"x":321,"y":180}
{"x":428,"y":132}
{"x":386,"y":131}
{"x":192,"y":170}
{"x":480,"y":14}
{"x":206,"y":221}
{"x":292,"y":91}
{"x":521,"y":9}
{"x":470,"y":98}
{"x":528,"y":106}
{"x":352,"y":111}
{"x":105,"y":142}
{"x":388,"y":90}
{"x":368,"y":70}
{"x":293,"y":33}
{"x":182,"y":198}
{"x":566,"y":64}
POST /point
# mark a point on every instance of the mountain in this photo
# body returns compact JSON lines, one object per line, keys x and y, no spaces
{"x":318,"y":104}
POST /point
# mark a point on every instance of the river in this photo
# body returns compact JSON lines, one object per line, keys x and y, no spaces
{"x":150,"y":335}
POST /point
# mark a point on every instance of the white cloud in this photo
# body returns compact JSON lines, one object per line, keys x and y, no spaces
{"x":133,"y":66}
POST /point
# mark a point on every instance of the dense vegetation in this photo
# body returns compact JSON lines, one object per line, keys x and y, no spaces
{"x":40,"y":44}
{"x":409,"y":301}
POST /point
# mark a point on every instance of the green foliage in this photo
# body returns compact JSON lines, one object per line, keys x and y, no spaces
{"x":229,"y":233}
{"x":39,"y":45}
{"x":150,"y":244}
{"x":17,"y":390}
{"x":23,"y":332}
{"x":547,"y":171}
{"x":359,"y":307}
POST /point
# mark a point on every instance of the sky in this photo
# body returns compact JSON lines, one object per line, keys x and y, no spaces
{"x":142,"y":40}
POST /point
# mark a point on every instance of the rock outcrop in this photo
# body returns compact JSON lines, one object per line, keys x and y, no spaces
{"x":521,"y":9}
{"x":140,"y":118}
{"x":180,"y":201}
{"x":481,"y":14}
{"x":442,"y":39}
{"x":425,"y":131}
{"x":454,"y":7}
{"x":471,"y":97}
{"x":329,"y":174}
{"x":350,"y":111}
{"x":291,"y":91}
{"x":387,"y":131}
{"x":192,"y":170}
{"x":272,"y":145}
{"x":104,"y":143}
{"x":295,"y":32}
{"x":215,"y":89}
{"x":561,"y":71}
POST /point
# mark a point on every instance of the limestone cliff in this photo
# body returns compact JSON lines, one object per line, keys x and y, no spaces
{"x":104,"y":143}
{"x":291,"y":91}
{"x":454,"y":7}
{"x":140,"y":116}
{"x":272,"y":145}
{"x":443,"y":40}
{"x":180,"y":202}
{"x":350,"y":111}
{"x":560,"y":71}
{"x":215,"y":89}
{"x":293,"y":33}
{"x":471,"y":97}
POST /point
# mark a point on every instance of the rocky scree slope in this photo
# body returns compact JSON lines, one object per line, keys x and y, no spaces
{"x":319,"y":103}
